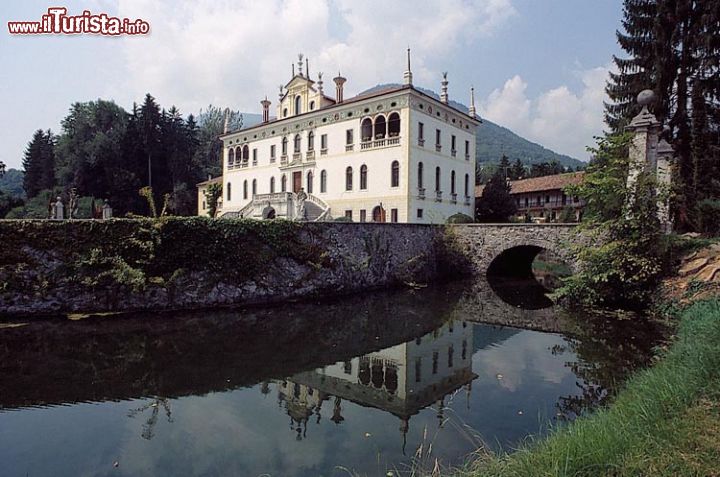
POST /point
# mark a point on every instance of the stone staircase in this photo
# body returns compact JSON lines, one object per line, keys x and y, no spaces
{"x":282,"y":205}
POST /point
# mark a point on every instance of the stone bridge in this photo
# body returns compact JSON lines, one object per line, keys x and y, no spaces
{"x":512,"y":247}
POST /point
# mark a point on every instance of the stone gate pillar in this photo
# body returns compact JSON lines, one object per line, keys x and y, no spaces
{"x":648,"y":153}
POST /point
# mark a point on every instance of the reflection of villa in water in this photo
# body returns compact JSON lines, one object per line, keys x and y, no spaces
{"x":401,"y":380}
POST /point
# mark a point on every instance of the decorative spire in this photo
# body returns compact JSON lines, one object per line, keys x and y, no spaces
{"x":444,"y":89}
{"x":408,"y":72}
{"x":280,"y":94}
{"x":266,"y":110}
{"x":293,"y":69}
{"x":471,"y":109}
{"x":300,"y":64}
{"x":339,"y":82}
{"x":320,"y":83}
{"x":307,"y":67}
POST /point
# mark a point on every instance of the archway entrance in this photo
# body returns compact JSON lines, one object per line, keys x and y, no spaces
{"x":378,"y":214}
{"x":268,"y":213}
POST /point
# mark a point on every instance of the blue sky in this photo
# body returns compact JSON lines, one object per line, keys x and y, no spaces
{"x":538,"y":66}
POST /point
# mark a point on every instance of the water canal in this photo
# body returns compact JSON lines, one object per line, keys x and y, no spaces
{"x":354,"y":386}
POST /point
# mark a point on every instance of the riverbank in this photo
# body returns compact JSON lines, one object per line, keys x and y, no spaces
{"x":666,"y":422}
{"x":122,"y":265}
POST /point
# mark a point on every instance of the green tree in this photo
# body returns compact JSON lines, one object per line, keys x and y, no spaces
{"x":39,"y":163}
{"x":624,"y":268}
{"x":210,"y":124}
{"x":212,"y":195}
{"x":496,"y":204}
{"x":517,"y":171}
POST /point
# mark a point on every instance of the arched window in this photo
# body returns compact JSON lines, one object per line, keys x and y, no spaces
{"x":395,"y":174}
{"x":272,"y":185}
{"x":297,"y":104}
{"x":323,"y":181}
{"x":380,"y":127}
{"x":229,"y":191}
{"x":311,"y":141}
{"x":284,"y":146}
{"x":394,"y":125}
{"x":363,"y":177}
{"x":254,"y":187}
{"x":452,"y":182}
{"x":284,"y":112}
{"x":348,"y":178}
{"x":312,"y":105}
{"x":420,"y":175}
{"x":296,"y":143}
{"x":467,"y":185}
{"x":246,"y":154}
{"x":283,"y":183}
{"x":309,"y":182}
{"x":245,"y":190}
{"x":437,"y":178}
{"x":238,"y":155}
{"x":231,"y":156}
{"x":366,"y":129}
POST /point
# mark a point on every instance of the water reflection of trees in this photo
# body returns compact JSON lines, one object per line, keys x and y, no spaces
{"x":607,"y":349}
{"x":148,"y":428}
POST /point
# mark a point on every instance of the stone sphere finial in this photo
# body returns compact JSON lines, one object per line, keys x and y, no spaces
{"x":646,"y":97}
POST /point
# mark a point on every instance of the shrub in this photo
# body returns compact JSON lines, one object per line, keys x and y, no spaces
{"x":708,"y":216}
{"x":460,"y":219}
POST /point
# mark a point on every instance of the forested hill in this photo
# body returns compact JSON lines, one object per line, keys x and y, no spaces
{"x":493,"y":141}
{"x":12,"y":183}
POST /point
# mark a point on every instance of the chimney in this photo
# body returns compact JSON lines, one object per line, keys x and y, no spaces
{"x":339,"y":81}
{"x":471,"y":109}
{"x":444,"y":89}
{"x":266,"y":110}
{"x":408,"y":72}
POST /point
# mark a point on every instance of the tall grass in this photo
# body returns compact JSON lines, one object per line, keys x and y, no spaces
{"x":649,"y":429}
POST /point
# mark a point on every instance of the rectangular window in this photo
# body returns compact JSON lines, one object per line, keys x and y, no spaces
{"x":323,"y":141}
{"x":393,"y":215}
{"x":419,"y":213}
{"x":437,"y":137}
{"x":436,"y":357}
{"x":363,"y":215}
{"x":418,"y":369}
{"x":564,"y":199}
{"x":254,"y":157}
{"x":421,"y":134}
{"x":453,"y":142}
{"x":349,"y":137}
{"x":527,"y":202}
{"x":537,"y":200}
{"x":347,"y":367}
{"x":348,"y":214}
{"x":272,"y":153}
{"x":547,"y":199}
{"x":467,"y":149}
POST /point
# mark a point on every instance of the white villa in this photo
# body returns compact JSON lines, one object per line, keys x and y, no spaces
{"x":392,"y":155}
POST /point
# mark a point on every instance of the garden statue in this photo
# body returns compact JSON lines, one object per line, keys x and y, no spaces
{"x":106,"y":210}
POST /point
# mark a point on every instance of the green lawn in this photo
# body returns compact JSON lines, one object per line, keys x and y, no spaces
{"x":666,"y":422}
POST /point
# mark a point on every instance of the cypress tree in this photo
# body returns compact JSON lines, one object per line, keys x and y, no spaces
{"x":33,"y":164}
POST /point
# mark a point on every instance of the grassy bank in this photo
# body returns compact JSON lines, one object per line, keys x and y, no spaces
{"x":666,"y":422}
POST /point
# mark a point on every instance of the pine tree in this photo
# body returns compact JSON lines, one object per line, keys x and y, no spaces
{"x":33,"y":164}
{"x":636,"y":72}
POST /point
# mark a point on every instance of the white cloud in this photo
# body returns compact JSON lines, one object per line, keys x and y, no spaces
{"x":559,"y":119}
{"x":236,"y":52}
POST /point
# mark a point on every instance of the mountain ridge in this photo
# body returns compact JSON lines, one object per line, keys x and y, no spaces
{"x":493,"y":141}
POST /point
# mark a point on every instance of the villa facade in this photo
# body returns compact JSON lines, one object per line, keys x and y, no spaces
{"x":392,"y":155}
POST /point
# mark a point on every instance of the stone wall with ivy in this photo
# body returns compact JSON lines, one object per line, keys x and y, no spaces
{"x":173,"y":263}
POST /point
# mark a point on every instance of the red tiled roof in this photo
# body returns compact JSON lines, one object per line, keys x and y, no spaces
{"x":539,"y":184}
